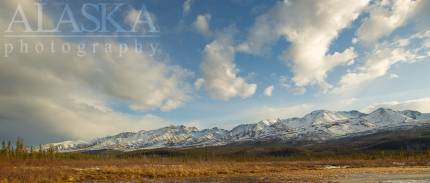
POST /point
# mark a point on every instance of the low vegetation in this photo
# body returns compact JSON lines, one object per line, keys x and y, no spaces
{"x":247,"y":163}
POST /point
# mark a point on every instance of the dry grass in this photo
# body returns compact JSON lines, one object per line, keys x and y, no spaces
{"x":145,"y":170}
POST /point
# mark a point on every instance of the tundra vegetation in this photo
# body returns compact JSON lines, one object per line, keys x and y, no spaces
{"x":273,"y":163}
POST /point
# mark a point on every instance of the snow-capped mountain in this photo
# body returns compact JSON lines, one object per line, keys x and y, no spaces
{"x":316,"y":126}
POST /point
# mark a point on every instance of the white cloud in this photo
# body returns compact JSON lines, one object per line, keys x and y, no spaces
{"x":424,"y":38}
{"x":202,"y":25}
{"x":376,"y":65}
{"x":284,"y":82}
{"x":422,"y":22}
{"x":142,"y":80}
{"x":384,"y":17}
{"x":310,"y":36}
{"x":379,"y":61}
{"x":135,"y":16}
{"x":354,"y":40}
{"x":220,"y":74}
{"x":199,"y":83}
{"x":268,"y":91}
{"x":186,"y":8}
{"x":132,"y":16}
{"x":298,"y":91}
{"x":420,"y":104}
{"x":65,"y":96}
{"x":393,"y":76}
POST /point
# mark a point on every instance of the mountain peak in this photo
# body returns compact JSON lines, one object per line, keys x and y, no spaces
{"x":317,"y":125}
{"x":386,"y":117}
{"x":320,"y":112}
{"x":382,"y":110}
{"x":270,"y":121}
{"x":323,"y":116}
{"x":412,"y":114}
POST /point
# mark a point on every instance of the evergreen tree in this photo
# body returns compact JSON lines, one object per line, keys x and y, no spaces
{"x":3,"y":148}
{"x":8,"y":148}
{"x":41,"y":151}
{"x":31,"y":152}
{"x":19,"y":147}
{"x":51,"y":151}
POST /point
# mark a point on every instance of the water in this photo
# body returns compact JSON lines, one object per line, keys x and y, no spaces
{"x":387,"y":178}
{"x":354,"y":178}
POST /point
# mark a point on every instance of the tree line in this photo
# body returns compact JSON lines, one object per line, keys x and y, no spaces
{"x":18,"y":150}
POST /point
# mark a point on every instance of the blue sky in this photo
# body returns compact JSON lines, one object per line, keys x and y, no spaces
{"x":186,"y":45}
{"x":220,"y":63}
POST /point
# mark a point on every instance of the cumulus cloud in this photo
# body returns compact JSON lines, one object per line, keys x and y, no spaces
{"x":310,"y":36}
{"x":220,"y":74}
{"x":65,"y":96}
{"x":381,"y":59}
{"x":202,"y":25}
{"x":269,"y":90}
{"x":384,"y":17}
{"x":377,"y":65}
{"x":419,"y":104}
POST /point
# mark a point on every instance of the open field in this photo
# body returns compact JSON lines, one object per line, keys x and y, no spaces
{"x":232,"y":163}
{"x":170,"y":169}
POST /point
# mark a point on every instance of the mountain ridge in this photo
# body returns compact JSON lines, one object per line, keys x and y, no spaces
{"x":317,"y":126}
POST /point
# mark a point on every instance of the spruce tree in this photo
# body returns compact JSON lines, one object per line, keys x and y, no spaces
{"x":17,"y":146}
{"x":3,"y":148}
{"x":8,"y":148}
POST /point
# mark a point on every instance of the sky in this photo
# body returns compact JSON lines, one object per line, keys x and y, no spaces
{"x":204,"y":63}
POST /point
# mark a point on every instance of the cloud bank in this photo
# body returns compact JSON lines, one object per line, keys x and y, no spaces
{"x":56,"y":96}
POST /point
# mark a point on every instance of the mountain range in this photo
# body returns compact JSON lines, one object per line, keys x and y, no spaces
{"x":317,"y":126}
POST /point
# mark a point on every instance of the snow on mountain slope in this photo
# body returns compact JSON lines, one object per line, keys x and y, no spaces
{"x":316,"y":126}
{"x":386,"y":117}
{"x":171,"y":136}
